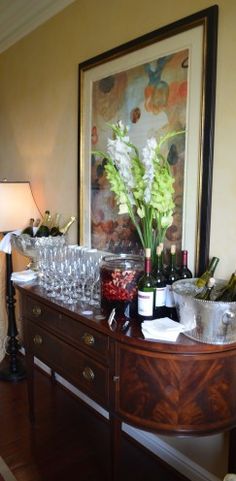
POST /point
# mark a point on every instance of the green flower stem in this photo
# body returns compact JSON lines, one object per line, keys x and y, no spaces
{"x":136,"y":224}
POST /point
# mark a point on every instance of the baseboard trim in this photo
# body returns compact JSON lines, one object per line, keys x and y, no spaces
{"x":171,"y":456}
{"x":152,"y":442}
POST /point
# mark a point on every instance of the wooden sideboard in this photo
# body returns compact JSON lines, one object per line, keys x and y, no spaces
{"x":179,"y":388}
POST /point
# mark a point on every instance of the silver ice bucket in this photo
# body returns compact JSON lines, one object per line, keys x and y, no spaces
{"x":215,"y":322}
{"x":184,"y":292}
{"x":212,"y":322}
{"x":30,"y":246}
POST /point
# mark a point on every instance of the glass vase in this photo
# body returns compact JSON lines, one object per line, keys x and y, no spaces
{"x":119,"y":276}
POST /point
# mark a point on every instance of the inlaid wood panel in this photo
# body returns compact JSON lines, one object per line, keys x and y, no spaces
{"x":178,"y":393}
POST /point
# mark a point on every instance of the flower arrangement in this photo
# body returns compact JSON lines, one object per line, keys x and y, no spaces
{"x":143,"y":185}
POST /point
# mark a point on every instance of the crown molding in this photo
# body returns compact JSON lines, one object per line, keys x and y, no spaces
{"x":20,"y":17}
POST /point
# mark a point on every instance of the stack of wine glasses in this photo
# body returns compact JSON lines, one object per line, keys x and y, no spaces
{"x":70,"y":273}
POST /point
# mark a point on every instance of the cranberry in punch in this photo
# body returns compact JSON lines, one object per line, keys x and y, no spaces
{"x":119,"y":284}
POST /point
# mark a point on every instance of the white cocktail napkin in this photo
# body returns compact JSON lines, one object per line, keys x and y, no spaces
{"x":5,"y":243}
{"x":24,"y":276}
{"x":164,"y":329}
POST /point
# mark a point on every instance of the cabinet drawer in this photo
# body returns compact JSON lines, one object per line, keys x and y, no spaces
{"x":83,"y":372}
{"x":69,"y":329}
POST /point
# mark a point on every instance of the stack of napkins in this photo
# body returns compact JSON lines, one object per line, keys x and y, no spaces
{"x":163,"y":329}
{"x":24,"y":276}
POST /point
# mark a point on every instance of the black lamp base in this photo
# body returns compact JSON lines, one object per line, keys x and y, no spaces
{"x":8,"y":374}
{"x":11,"y":368}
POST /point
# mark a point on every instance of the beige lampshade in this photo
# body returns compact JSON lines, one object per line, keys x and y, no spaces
{"x":17,"y":205}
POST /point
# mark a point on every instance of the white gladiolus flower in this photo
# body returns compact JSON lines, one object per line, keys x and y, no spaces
{"x":166,"y":220}
{"x":143,"y":185}
{"x":147,"y":195}
{"x":140,"y":212}
{"x":119,"y":152}
{"x":123,"y":209}
{"x":152,"y":143}
{"x":149,"y":154}
{"x":131,"y":198}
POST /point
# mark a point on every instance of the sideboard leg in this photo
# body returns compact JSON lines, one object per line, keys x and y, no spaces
{"x":115,"y":431}
{"x":232,"y":451}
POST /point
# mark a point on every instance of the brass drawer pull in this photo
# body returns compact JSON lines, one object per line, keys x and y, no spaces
{"x":88,"y":339}
{"x":38,"y":339}
{"x":88,"y":374}
{"x":37,"y":311}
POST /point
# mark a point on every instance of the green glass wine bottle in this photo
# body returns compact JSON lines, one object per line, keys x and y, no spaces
{"x":43,"y":230}
{"x":228,"y":293}
{"x":160,"y":282}
{"x":64,"y":229}
{"x":29,"y":229}
{"x":37,"y":223}
{"x":204,"y":278}
{"x":170,"y":278}
{"x":54,"y":231}
{"x":206,"y":292}
{"x":146,"y":290}
{"x":184,"y":271}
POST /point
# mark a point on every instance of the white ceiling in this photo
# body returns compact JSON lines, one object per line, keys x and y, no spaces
{"x":20,"y":17}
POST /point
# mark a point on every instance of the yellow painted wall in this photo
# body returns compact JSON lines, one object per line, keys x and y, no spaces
{"x":38,"y":120}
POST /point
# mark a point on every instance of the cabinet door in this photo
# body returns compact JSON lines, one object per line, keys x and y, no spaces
{"x":176,"y":393}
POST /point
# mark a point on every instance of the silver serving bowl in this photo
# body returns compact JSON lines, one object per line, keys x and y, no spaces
{"x":212,"y":322}
{"x":30,"y":246}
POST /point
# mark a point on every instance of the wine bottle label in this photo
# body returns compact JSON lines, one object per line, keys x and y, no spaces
{"x":145,"y":303}
{"x":160,"y":296}
{"x":170,"y":300}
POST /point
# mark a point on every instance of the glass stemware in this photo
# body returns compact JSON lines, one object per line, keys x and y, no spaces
{"x":70,"y":274}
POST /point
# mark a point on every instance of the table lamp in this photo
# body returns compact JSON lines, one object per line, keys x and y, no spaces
{"x":17,"y":206}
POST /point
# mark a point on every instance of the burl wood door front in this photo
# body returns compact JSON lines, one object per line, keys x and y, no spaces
{"x":176,"y":392}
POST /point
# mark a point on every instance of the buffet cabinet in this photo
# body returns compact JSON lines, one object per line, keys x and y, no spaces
{"x":175,"y":388}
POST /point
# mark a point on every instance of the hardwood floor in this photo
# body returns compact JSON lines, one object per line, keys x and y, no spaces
{"x":68,"y":441}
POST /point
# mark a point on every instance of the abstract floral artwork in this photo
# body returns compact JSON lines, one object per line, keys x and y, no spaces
{"x":151,"y":99}
{"x":159,"y":83}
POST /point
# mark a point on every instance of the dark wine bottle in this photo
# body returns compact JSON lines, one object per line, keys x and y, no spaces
{"x":203,"y":280}
{"x":171,"y":277}
{"x":184,"y":271}
{"x":165,"y":259}
{"x":54,"y":231}
{"x":37,"y":223}
{"x":160,"y":282}
{"x":64,"y":229}
{"x":146,"y":290}
{"x":228,"y":293}
{"x":43,"y":230}
{"x":29,"y":229}
{"x":206,"y":292}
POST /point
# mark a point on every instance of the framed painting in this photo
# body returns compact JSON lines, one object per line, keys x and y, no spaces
{"x":161,"y":82}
